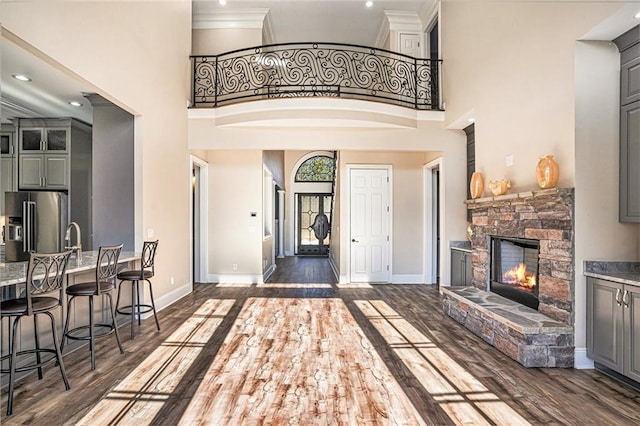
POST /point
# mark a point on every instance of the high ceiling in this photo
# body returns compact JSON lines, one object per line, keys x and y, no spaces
{"x":344,"y":21}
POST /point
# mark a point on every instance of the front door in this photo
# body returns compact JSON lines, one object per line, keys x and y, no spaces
{"x":314,"y":219}
{"x":370,"y":219}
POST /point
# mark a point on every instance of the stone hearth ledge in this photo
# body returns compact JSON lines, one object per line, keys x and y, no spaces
{"x":521,"y":333}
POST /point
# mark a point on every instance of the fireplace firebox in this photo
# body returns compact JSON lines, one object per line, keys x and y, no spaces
{"x":514,"y":269}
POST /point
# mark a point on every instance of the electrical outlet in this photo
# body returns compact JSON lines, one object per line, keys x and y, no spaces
{"x":172,"y":281}
{"x":150,"y":233}
{"x":234,"y":266}
{"x":509,"y":160}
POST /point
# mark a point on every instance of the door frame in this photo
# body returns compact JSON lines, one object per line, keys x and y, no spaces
{"x":430,"y":237}
{"x":202,"y":184}
{"x":345,"y":237}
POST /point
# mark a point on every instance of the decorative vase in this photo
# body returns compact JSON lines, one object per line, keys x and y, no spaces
{"x":476,"y":186}
{"x":499,"y":187}
{"x":547,"y":172}
{"x":469,"y":233}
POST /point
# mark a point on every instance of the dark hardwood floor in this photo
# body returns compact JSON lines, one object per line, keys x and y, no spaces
{"x":447,"y":373}
{"x":303,"y":269}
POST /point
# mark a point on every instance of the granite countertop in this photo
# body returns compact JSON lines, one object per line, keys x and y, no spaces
{"x":621,"y":272}
{"x":12,"y":273}
{"x":460,"y":245}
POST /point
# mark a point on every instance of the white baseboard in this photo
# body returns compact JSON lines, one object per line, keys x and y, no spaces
{"x":268,"y":273}
{"x":236,"y":279}
{"x":344,"y":279}
{"x":581,"y":361}
{"x":168,"y":299}
{"x":334,"y":268}
{"x":407,"y":279}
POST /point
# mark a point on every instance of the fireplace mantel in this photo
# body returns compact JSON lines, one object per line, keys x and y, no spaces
{"x":518,"y":196}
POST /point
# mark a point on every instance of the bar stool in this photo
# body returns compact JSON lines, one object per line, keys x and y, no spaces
{"x":106,"y":271}
{"x":45,"y":274}
{"x":145,"y":273}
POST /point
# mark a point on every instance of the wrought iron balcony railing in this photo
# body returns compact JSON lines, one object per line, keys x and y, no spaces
{"x":315,"y":69}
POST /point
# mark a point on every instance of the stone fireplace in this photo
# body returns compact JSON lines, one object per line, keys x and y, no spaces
{"x":528,"y":235}
{"x":546,"y":216}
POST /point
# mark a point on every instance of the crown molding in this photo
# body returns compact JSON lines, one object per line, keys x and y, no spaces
{"x":400,"y":20}
{"x":239,"y":18}
{"x":429,"y":13}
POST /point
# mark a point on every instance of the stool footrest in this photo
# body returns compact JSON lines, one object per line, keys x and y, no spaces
{"x":103,"y":330}
{"x":126,"y":310}
{"x":32,"y":366}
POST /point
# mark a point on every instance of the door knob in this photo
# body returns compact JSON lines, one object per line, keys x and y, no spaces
{"x":353,"y":240}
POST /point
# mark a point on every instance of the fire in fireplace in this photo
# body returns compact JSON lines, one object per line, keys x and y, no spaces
{"x":514,"y":269}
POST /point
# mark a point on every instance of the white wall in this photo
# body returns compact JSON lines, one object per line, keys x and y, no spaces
{"x":216,"y":41}
{"x":136,"y":55}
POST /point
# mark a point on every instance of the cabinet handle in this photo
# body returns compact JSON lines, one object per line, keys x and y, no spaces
{"x":625,"y":299}
{"x":618,"y":297}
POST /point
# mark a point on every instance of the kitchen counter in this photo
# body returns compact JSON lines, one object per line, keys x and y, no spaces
{"x":12,"y":273}
{"x":621,"y":272}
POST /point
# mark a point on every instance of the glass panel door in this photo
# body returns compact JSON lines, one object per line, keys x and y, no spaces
{"x":31,"y":139}
{"x":56,"y":140}
{"x":314,"y":219}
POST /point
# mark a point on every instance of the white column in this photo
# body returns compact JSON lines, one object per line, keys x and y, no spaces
{"x":281,"y":223}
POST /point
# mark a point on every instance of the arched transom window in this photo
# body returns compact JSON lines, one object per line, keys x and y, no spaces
{"x":316,"y":169}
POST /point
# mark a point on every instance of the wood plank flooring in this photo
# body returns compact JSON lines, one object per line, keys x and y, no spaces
{"x":222,"y":346}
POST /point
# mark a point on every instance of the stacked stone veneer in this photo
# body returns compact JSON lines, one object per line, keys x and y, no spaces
{"x":546,"y":215}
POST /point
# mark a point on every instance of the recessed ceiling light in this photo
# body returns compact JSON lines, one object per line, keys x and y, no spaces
{"x":637,"y":15}
{"x":222,"y":2}
{"x":21,"y":77}
{"x":369,"y":3}
{"x":75,"y":104}
{"x":471,"y":120}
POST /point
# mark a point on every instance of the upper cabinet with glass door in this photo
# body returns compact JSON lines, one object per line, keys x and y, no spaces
{"x":44,"y":139}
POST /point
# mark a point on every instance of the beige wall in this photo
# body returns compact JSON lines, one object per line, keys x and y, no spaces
{"x":216,"y":41}
{"x":127,"y":53}
{"x":235,"y":190}
{"x":408,"y":212}
{"x":513,"y":69}
{"x":274,"y":161}
{"x":598,"y":234}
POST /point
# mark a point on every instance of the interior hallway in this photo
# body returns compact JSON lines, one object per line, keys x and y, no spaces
{"x":316,"y":354}
{"x":303,"y":269}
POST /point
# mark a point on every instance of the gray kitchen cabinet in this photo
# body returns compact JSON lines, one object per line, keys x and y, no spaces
{"x":613,"y":326}
{"x":51,"y":152}
{"x":461,"y":266}
{"x":8,"y":165}
{"x":44,"y":171}
{"x":629,"y":187}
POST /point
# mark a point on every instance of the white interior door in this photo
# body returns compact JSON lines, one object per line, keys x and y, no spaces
{"x":410,"y":45}
{"x":369,"y":224}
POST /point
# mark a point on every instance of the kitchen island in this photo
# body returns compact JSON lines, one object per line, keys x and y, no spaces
{"x":12,"y":273}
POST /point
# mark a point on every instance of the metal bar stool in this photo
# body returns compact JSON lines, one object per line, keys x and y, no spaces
{"x":45,"y":274}
{"x":106,"y":271}
{"x":145,"y":273}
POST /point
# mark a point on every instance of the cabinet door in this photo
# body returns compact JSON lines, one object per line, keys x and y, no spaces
{"x":632,"y":333}
{"x":630,"y":82}
{"x":56,"y":171}
{"x":56,"y":139}
{"x":7,"y":183}
{"x":605,"y":323}
{"x":468,"y":268}
{"x":457,"y":269}
{"x":31,"y":139}
{"x":6,"y":143}
{"x":31,"y":171}
{"x":630,"y":163}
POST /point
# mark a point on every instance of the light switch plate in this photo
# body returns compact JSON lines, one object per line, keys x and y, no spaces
{"x":509,"y":160}
{"x":150,"y":233}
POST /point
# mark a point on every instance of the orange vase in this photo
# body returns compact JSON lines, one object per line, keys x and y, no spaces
{"x":547,"y":172}
{"x":476,"y":186}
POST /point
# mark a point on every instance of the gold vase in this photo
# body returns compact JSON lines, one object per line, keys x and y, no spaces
{"x":547,"y":172}
{"x":476,"y":186}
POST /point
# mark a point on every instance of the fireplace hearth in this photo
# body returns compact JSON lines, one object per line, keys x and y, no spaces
{"x":514,"y":269}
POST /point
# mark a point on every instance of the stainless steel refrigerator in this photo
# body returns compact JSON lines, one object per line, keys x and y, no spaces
{"x":34,"y":222}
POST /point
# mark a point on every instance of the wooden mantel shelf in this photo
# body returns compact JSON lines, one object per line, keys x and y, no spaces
{"x":519,"y":195}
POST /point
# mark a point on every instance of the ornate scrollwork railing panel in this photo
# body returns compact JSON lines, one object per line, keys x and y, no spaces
{"x":315,"y":69}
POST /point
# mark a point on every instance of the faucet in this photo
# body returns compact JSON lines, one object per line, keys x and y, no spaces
{"x":78,"y":247}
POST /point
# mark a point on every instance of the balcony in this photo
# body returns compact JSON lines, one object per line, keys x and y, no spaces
{"x":328,"y":70}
